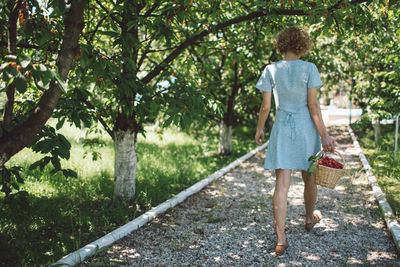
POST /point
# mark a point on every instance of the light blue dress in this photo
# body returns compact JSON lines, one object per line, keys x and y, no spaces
{"x":294,"y":137}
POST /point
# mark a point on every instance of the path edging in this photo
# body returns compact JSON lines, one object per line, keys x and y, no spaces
{"x":387,"y":211}
{"x":90,"y":249}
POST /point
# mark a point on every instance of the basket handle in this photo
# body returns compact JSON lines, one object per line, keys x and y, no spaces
{"x":337,"y":152}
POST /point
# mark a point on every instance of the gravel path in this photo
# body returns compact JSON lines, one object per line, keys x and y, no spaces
{"x":230,"y":223}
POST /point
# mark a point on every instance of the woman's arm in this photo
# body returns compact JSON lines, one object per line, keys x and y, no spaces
{"x":328,"y":143}
{"x":262,"y":117}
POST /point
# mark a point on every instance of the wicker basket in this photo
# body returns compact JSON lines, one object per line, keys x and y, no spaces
{"x":328,"y":177}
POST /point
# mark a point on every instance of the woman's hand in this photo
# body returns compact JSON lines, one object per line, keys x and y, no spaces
{"x":328,"y":144}
{"x":259,"y":137}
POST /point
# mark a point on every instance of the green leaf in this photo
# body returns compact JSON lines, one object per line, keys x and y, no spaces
{"x":44,"y":146}
{"x":85,"y":62}
{"x":10,"y":81}
{"x":29,"y":27}
{"x":56,"y":163}
{"x":60,"y":81}
{"x":312,"y":158}
{"x":312,"y":168}
{"x":64,"y":141}
{"x":6,"y":175}
{"x":42,"y":77}
{"x":63,"y":152}
{"x":54,"y":171}
{"x":24,"y":60}
{"x":16,"y":171}
{"x":3,"y":66}
{"x":34,"y":165}
{"x":110,"y":33}
{"x":40,"y":163}
{"x":9,"y":73}
{"x":58,"y":5}
{"x":19,"y":178}
{"x":131,"y":64}
{"x":45,"y":161}
{"x":168,"y":121}
{"x":60,"y":123}
{"x":131,"y":24}
{"x":20,"y":83}
{"x":15,"y":185}
{"x":70,"y":173}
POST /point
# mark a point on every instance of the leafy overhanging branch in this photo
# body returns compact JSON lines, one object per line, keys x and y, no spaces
{"x":253,"y":15}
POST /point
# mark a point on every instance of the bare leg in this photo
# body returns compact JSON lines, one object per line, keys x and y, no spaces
{"x":279,"y":203}
{"x":310,"y":195}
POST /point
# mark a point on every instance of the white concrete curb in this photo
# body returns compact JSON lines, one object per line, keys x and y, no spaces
{"x":387,"y":211}
{"x":90,"y":249}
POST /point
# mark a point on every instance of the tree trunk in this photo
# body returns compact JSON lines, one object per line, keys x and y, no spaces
{"x":125,"y":165}
{"x":377,"y":131}
{"x":396,"y":136}
{"x":225,"y":139}
{"x":126,"y":127}
{"x":225,"y":133}
{"x":20,"y":136}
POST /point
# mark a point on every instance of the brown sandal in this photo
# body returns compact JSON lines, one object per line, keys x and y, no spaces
{"x":317,"y":216}
{"x":280,"y":249}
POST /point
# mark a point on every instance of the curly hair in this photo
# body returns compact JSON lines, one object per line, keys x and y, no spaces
{"x":294,"y":39}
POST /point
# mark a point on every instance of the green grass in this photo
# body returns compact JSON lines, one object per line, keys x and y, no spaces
{"x":385,"y":168}
{"x":64,"y":214}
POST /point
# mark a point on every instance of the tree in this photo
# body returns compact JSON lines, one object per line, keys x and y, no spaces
{"x":378,"y":85}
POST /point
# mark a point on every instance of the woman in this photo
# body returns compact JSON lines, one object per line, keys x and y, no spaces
{"x":298,"y":130}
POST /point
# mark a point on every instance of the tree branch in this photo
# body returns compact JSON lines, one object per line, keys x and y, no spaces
{"x":160,"y":50}
{"x":12,"y":27}
{"x":228,"y":116}
{"x":101,"y":120}
{"x":30,"y":46}
{"x":198,"y":58}
{"x":108,"y":12}
{"x":12,"y":51}
{"x":204,"y":33}
{"x":97,"y":27}
{"x":153,"y":7}
{"x":221,"y":64}
{"x":144,"y":54}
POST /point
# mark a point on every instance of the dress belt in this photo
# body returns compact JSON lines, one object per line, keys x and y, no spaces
{"x":291,"y":122}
